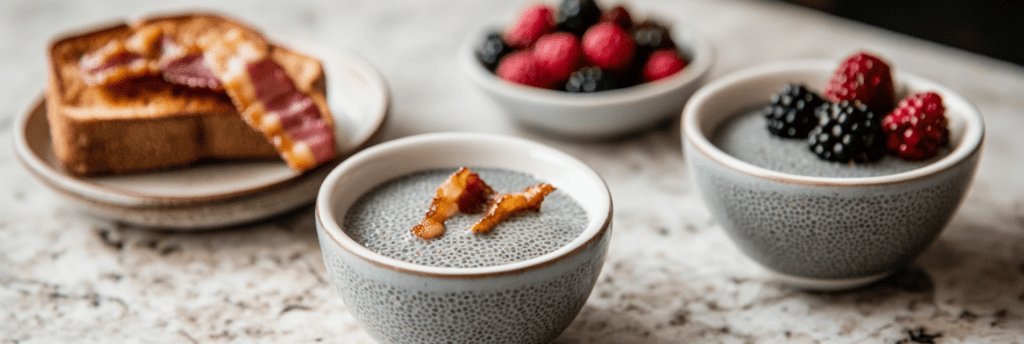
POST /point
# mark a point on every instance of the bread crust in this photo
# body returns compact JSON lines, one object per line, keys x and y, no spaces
{"x":147,"y":124}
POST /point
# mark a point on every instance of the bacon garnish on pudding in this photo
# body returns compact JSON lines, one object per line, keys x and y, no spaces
{"x":506,"y":205}
{"x":463,"y":191}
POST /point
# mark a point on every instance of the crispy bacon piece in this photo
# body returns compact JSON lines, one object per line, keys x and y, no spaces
{"x":189,"y":70}
{"x":234,"y":59}
{"x":463,"y":191}
{"x":147,"y":52}
{"x":509,"y":204}
{"x":112,"y":63}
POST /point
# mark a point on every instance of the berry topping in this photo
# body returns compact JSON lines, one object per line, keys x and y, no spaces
{"x":651,"y":36}
{"x":576,"y":16}
{"x":589,"y":79}
{"x":492,"y":49}
{"x":662,"y":64}
{"x":847,"y":131}
{"x":865,"y":78}
{"x":792,"y":111}
{"x":620,"y":16}
{"x":917,"y":128}
{"x":575,"y":34}
{"x":608,"y":46}
{"x":558,"y":55}
{"x":520,"y":67}
{"x":534,"y":21}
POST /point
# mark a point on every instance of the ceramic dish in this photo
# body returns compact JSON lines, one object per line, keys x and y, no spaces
{"x":525,"y":301}
{"x":217,"y":194}
{"x":818,"y":232}
{"x":603,"y":114}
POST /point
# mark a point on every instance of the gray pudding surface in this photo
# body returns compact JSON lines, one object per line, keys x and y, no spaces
{"x":745,"y":137}
{"x":381,"y":221}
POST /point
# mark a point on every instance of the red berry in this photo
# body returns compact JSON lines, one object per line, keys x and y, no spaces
{"x":534,"y":21}
{"x":608,"y":46}
{"x":865,"y":78}
{"x":520,"y":67}
{"x":917,"y":128}
{"x":558,"y":55}
{"x":619,"y":16}
{"x":662,"y":64}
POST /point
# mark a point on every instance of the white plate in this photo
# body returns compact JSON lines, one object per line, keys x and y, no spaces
{"x":217,"y":194}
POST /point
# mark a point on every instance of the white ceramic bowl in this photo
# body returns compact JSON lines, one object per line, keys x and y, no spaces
{"x":603,"y":114}
{"x":825,"y":233}
{"x":529,"y":301}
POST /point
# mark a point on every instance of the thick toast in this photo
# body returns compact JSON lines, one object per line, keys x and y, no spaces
{"x":146,"y":123}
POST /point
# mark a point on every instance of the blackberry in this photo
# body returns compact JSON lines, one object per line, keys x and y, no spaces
{"x":650,"y":36}
{"x":576,"y":16}
{"x":492,"y":49}
{"x":847,"y":132}
{"x":791,"y":112}
{"x":588,"y":80}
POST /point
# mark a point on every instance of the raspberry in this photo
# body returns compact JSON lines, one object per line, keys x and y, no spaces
{"x":608,"y":46}
{"x":792,"y":111}
{"x":491,"y":50}
{"x":558,"y":55}
{"x":847,"y":132}
{"x":520,"y":67}
{"x":576,"y":16}
{"x":662,"y":64}
{"x":917,"y":128}
{"x":620,"y":16}
{"x":534,"y":21}
{"x":865,"y":78}
{"x":588,"y":80}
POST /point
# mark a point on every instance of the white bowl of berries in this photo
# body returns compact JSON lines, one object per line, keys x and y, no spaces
{"x":575,"y":70}
{"x":831,"y":174}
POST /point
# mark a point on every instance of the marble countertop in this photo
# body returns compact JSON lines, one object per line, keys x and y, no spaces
{"x":671,"y":275}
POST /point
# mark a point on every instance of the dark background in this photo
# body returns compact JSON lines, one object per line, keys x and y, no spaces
{"x":993,"y":28}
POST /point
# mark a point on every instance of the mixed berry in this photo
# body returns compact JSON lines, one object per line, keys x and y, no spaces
{"x":917,"y":128}
{"x":791,"y":112}
{"x":578,"y":47}
{"x":844,"y":124}
{"x":847,"y":131}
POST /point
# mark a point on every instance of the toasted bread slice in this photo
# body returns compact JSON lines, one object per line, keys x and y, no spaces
{"x":146,"y":123}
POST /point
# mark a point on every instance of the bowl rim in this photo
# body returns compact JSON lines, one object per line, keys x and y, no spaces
{"x":687,"y":38}
{"x":969,"y":145}
{"x":591,"y":234}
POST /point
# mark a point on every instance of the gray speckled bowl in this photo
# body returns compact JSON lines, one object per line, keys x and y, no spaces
{"x":825,"y":233}
{"x":529,"y":301}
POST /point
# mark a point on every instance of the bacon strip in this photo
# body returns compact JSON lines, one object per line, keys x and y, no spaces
{"x":190,"y":70}
{"x":238,"y":61}
{"x":113,"y":63}
{"x":507,"y":205}
{"x":463,"y":191}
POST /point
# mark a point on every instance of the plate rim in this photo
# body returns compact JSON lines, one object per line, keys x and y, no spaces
{"x":86,"y":190}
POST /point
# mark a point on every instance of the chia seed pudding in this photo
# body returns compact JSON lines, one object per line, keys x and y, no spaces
{"x":744,"y":137}
{"x":382,"y":218}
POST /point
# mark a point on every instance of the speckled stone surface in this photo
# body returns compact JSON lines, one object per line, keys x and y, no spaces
{"x":671,"y":274}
